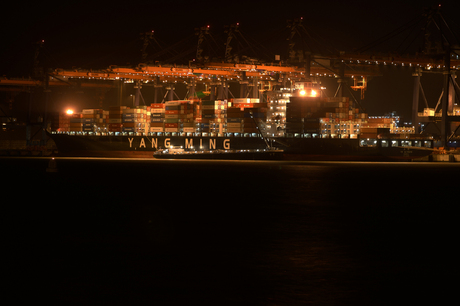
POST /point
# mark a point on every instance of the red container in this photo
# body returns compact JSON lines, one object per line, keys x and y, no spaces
{"x":171,"y":112}
{"x":171,"y":125}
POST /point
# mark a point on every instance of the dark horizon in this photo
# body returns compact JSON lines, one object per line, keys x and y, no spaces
{"x":99,"y":34}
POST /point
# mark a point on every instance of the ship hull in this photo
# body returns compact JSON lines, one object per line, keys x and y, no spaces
{"x":328,"y":149}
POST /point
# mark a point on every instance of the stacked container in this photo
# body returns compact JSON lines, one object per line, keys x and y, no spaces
{"x":213,"y":116}
{"x":316,"y":115}
{"x":135,"y":120}
{"x":186,"y":114}
{"x":303,"y":115}
{"x":115,"y":118}
{"x":336,"y":108}
{"x":60,"y":122}
{"x":253,"y":116}
{"x":76,"y":123}
{"x":157,"y":117}
{"x":235,"y":120}
{"x":104,"y":121}
{"x":178,"y":115}
{"x":243,"y":113}
{"x":91,"y":118}
{"x":300,"y":108}
{"x":354,"y":114}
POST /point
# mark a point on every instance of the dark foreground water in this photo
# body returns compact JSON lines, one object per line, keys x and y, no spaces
{"x":146,"y":232}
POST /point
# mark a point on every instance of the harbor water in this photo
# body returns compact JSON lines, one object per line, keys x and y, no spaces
{"x":165,"y":232}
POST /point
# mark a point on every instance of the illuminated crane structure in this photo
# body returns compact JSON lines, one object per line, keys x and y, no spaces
{"x":253,"y":77}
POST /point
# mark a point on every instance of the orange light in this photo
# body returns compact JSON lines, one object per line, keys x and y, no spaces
{"x":69,"y":112}
{"x":303,"y":92}
{"x":313,"y":93}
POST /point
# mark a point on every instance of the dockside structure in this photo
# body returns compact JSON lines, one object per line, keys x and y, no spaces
{"x":282,"y":115}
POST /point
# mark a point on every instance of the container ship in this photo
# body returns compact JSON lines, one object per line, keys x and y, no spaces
{"x":298,"y":122}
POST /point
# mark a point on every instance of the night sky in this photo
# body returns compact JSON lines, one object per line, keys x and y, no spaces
{"x":96,"y":34}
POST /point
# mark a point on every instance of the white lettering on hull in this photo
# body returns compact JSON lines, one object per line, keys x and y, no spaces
{"x":188,"y":143}
{"x":212,"y":144}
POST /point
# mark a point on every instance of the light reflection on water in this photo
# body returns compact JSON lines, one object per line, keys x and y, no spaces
{"x":267,"y":232}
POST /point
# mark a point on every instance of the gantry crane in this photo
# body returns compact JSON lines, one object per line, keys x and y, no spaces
{"x":302,"y":65}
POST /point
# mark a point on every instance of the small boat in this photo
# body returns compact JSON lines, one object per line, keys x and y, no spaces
{"x":258,"y":154}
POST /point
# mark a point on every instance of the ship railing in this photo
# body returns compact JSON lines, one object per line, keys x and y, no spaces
{"x":320,"y":135}
{"x":205,"y":134}
{"x":202,"y":134}
{"x":373,"y":142}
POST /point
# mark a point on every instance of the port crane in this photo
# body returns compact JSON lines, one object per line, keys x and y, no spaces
{"x":302,"y":65}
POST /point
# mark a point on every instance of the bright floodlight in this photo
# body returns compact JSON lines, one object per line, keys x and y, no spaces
{"x":302,"y":92}
{"x":313,"y":93}
{"x":69,"y":112}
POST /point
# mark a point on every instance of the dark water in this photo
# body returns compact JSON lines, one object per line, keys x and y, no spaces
{"x":208,"y":232}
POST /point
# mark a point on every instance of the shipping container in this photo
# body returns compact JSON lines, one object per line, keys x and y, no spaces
{"x":171,"y":125}
{"x":89,"y":111}
{"x":233,"y":125}
{"x":234,"y":130}
{"x":157,"y":111}
{"x":156,"y":129}
{"x":155,"y":124}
